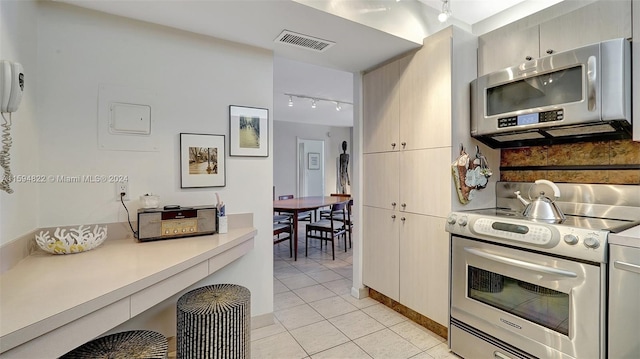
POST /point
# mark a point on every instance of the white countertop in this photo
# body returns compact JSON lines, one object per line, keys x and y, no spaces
{"x":44,"y":292}
{"x":629,"y":237}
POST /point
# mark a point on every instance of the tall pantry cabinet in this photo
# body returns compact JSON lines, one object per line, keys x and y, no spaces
{"x":416,"y":111}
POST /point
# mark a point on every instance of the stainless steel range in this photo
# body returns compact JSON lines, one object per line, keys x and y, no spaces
{"x":535,"y":288}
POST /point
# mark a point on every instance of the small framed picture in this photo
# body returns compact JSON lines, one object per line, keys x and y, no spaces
{"x":202,"y":160}
{"x":248,"y":131}
{"x":314,"y":161}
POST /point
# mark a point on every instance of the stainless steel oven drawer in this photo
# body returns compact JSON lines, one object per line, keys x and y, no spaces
{"x":471,"y":346}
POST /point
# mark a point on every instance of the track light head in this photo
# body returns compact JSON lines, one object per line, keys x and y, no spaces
{"x":315,"y":100}
{"x":445,"y":14}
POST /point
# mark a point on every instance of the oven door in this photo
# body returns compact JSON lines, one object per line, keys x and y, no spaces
{"x":545,"y":306}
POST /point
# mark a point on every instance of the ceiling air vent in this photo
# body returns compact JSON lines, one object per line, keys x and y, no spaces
{"x":305,"y":41}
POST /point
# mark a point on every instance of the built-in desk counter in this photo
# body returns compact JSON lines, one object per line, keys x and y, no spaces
{"x":50,"y":304}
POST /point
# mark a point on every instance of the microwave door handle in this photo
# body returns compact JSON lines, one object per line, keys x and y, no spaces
{"x":591,"y":83}
{"x":521,"y":264}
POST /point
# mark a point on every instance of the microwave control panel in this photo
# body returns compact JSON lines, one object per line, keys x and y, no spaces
{"x":531,"y":118}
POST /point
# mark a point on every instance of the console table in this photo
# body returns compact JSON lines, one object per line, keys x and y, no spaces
{"x":50,"y":304}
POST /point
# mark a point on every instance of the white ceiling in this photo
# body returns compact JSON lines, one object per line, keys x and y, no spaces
{"x":366,"y":32}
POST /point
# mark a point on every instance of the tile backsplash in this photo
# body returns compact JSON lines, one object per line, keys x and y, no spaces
{"x":604,"y":162}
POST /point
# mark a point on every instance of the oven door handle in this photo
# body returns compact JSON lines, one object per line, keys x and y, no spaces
{"x":498,"y":355}
{"x":521,"y":264}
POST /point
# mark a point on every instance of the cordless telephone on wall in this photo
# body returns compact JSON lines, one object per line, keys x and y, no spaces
{"x":11,"y":89}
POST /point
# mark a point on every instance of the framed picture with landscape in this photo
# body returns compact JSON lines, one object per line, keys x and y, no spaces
{"x":248,"y":131}
{"x":202,"y":160}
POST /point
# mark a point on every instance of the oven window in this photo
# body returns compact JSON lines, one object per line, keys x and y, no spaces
{"x":529,"y":301}
{"x":556,"y":88}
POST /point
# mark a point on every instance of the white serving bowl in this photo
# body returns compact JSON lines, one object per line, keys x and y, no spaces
{"x":67,"y":240}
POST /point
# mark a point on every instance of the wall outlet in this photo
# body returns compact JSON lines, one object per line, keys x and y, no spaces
{"x":122,"y":187}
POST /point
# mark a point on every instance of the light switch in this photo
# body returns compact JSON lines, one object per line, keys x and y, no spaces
{"x":130,"y":119}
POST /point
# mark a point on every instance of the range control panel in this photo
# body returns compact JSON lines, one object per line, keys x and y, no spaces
{"x":531,"y":118}
{"x":529,"y":233}
{"x":574,"y":242}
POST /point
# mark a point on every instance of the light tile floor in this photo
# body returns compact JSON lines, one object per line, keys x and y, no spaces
{"x":316,"y":316}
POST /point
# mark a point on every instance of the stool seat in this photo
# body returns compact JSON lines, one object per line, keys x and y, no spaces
{"x":214,"y":322}
{"x":135,"y":344}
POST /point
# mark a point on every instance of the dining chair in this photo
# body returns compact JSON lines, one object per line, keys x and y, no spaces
{"x":339,"y":216}
{"x":328,"y":230}
{"x":283,"y":228}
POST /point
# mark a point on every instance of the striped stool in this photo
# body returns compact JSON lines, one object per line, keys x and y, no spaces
{"x":135,"y":344}
{"x":214,"y":322}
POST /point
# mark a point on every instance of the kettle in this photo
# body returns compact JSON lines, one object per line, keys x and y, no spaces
{"x":543,"y":208}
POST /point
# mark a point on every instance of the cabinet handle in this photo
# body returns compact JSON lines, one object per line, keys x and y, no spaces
{"x":393,"y":216}
{"x":550,"y":51}
{"x":402,"y":219}
{"x":627,"y":266}
{"x":393,"y":145}
{"x":404,"y":205}
{"x":393,"y":204}
{"x":528,"y":58}
{"x":404,"y":144}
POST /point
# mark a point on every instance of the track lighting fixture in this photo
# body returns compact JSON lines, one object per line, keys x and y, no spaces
{"x":315,"y":100}
{"x":445,"y":14}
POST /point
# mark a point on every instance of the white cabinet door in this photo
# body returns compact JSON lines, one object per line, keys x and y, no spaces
{"x":380,"y":265}
{"x":624,"y":312}
{"x":424,"y":266}
{"x":425,"y":95}
{"x":596,"y":22}
{"x":425,"y":181}
{"x":510,"y":45}
{"x":507,"y":47}
{"x":380,"y":179}
{"x":381,"y":108}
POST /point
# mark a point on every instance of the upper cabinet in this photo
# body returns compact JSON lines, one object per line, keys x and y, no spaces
{"x":602,"y":20}
{"x":512,"y":45}
{"x":499,"y":49}
{"x":405,"y":107}
{"x":380,"y":88}
{"x":425,"y":95}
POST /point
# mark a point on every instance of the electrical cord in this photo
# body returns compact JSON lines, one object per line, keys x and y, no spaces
{"x":5,"y":158}
{"x":135,"y":234}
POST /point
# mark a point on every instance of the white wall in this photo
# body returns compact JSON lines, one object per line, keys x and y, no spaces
{"x":194,"y":79}
{"x":18,"y":211}
{"x":284,"y":153}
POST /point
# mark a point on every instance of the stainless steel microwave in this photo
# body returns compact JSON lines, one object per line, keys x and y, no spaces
{"x":578,"y":95}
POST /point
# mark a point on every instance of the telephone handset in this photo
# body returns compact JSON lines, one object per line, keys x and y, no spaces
{"x":11,"y":88}
{"x":12,"y":85}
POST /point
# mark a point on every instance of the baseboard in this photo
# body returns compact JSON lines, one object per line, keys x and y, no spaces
{"x":410,"y":313}
{"x":263,"y":320}
{"x":359,"y":293}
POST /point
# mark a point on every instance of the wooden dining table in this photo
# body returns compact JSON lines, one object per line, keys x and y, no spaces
{"x":304,"y":204}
